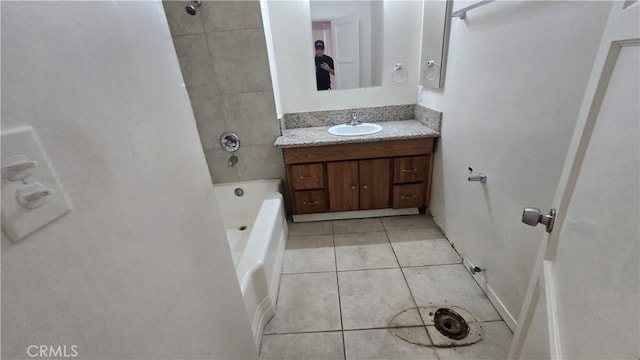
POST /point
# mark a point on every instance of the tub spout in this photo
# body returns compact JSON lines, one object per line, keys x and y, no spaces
{"x":233,"y":160}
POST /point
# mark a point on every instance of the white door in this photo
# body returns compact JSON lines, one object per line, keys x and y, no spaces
{"x":583,"y":300}
{"x":346,"y":41}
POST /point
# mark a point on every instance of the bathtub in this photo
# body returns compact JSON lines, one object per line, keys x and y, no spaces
{"x":256,"y":231}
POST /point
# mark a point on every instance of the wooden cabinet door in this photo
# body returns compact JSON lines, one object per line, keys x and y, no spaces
{"x":375,"y":183}
{"x":310,"y":201}
{"x":408,"y":195}
{"x":409,"y":169}
{"x":342,"y":180}
{"x":307,"y":176}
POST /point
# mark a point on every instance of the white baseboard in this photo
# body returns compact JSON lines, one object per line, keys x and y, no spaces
{"x":493,"y":297}
{"x":359,"y":214}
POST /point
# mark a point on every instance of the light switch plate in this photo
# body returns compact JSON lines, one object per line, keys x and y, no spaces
{"x":18,"y":221}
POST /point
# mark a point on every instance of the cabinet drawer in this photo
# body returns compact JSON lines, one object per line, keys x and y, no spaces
{"x":409,"y":169}
{"x":307,"y":176}
{"x":408,"y":196}
{"x":312,"y":201}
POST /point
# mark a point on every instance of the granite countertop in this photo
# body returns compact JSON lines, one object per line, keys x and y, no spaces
{"x":319,"y":136}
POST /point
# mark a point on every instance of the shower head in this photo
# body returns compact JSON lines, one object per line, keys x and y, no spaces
{"x":191,"y":9}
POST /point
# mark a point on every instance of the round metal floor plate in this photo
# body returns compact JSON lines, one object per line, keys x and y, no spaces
{"x":450,"y":324}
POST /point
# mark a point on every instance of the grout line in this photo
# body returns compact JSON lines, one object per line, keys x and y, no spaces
{"x":232,"y":30}
{"x":430,"y":265}
{"x":374,"y":268}
{"x":212,"y":69}
{"x":335,"y":260}
{"x":386,"y":328}
{"x":359,"y":329}
{"x":303,"y":332}
{"x":309,"y":273}
{"x":490,"y":321}
{"x":216,"y":31}
{"x":410,"y":291}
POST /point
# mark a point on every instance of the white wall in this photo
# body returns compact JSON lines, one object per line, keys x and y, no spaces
{"x":140,"y":268}
{"x":516,"y":75}
{"x":291,"y":34}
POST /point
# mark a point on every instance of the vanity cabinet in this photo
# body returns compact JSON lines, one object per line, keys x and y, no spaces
{"x":358,"y":185}
{"x":359,"y":176}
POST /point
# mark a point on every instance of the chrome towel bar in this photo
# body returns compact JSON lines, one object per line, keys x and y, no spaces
{"x":462,"y":13}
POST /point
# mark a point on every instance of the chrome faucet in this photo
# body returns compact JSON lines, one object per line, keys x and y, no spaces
{"x":354,"y":121}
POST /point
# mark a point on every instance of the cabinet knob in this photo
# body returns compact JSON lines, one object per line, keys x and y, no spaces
{"x":365,"y":187}
{"x":353,"y":187}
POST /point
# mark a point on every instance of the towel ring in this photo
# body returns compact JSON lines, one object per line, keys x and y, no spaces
{"x":399,"y":74}
{"x":431,"y":65}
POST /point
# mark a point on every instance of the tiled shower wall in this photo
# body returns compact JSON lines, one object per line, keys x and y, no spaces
{"x":223,"y":57}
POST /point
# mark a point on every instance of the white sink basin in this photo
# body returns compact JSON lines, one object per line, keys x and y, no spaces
{"x":354,"y":130}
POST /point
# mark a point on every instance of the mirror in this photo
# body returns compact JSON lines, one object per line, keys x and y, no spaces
{"x":436,"y":20}
{"x":347,"y":43}
{"x":398,"y":26}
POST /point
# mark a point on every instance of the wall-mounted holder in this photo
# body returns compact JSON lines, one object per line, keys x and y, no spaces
{"x":431,"y":70}
{"x":478,"y":177}
{"x":230,"y":142}
{"x":399,"y":74}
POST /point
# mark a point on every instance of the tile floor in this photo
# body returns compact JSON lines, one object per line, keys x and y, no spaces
{"x":344,"y":281}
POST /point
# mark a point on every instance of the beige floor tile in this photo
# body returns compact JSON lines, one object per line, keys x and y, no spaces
{"x":307,"y":302}
{"x":370,"y":250}
{"x":494,"y":345}
{"x":407,"y":222}
{"x":372,"y":298}
{"x":449,"y":285}
{"x":382,"y":344}
{"x":312,"y":346}
{"x":309,"y":253}
{"x":357,"y":225}
{"x":425,"y":246}
{"x":310,"y":228}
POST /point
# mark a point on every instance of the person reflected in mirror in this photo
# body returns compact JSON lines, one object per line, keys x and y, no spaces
{"x":324,"y":67}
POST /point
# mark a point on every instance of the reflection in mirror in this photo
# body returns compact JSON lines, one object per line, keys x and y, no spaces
{"x":435,"y":25}
{"x":347,"y":43}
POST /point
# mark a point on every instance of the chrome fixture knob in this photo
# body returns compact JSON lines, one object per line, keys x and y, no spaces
{"x":191,"y":9}
{"x":230,"y":142}
{"x":533,"y":217}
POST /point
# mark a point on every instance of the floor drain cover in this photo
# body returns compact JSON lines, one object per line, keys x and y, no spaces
{"x":450,"y":324}
{"x":447,"y":327}
{"x":242,"y":228}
